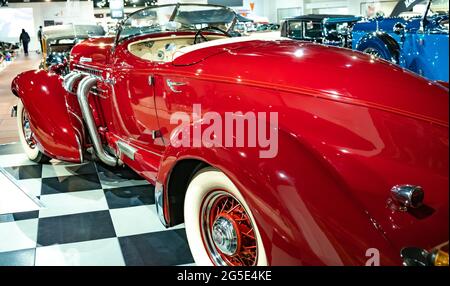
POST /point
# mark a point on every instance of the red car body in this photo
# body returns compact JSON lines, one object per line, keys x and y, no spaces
{"x":350,"y":128}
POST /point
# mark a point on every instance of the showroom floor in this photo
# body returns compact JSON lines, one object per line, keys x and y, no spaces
{"x":8,"y":129}
{"x":82,"y":215}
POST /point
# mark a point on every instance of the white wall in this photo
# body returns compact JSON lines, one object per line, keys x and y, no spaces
{"x":65,"y":12}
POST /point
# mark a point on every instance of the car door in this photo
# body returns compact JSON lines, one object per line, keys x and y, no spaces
{"x":426,"y":54}
{"x":133,"y":104}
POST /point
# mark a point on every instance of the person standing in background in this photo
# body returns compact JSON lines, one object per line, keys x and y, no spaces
{"x":39,"y":36}
{"x":25,"y":40}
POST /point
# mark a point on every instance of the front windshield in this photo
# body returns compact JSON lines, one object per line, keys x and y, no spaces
{"x":409,"y":9}
{"x":181,"y":17}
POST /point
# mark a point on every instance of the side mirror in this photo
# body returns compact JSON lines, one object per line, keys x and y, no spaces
{"x":399,"y":28}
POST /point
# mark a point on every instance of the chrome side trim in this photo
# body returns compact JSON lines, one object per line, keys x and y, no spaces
{"x":173,"y":85}
{"x":80,"y":149}
{"x":83,"y":91}
{"x":159,"y":201}
{"x":126,"y":149}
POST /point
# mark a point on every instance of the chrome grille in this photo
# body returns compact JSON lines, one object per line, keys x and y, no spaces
{"x":88,"y":70}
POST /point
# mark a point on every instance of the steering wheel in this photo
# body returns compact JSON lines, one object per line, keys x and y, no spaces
{"x":199,"y":33}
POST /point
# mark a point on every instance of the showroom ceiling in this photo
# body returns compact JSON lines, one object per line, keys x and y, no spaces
{"x":97,"y":3}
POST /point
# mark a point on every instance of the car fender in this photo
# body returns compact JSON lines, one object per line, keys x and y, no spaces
{"x":384,"y":41}
{"x":301,"y":226}
{"x":54,"y":114}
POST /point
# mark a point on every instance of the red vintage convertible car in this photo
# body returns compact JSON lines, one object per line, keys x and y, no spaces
{"x":357,"y":175}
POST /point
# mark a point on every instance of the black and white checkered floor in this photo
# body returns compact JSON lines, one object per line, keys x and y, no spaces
{"x":89,"y":215}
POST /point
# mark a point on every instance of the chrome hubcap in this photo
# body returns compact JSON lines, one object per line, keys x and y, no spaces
{"x":225,"y":236}
{"x":372,"y":52}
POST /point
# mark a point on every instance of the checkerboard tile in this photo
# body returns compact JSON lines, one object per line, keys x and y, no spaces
{"x":91,"y":215}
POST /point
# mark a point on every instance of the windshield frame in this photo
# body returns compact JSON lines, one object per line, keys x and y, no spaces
{"x":176,"y":8}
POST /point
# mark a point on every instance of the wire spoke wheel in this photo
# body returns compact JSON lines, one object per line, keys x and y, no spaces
{"x":220,"y":226}
{"x":228,"y":231}
{"x":27,"y":137}
{"x":373,"y":52}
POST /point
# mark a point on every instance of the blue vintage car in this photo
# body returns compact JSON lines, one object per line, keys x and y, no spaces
{"x":420,"y":44}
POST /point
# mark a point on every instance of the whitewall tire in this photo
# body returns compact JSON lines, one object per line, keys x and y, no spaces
{"x":26,"y":136}
{"x":220,"y":227}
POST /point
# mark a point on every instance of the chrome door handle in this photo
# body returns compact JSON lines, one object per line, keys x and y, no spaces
{"x":110,"y":81}
{"x":172,"y":85}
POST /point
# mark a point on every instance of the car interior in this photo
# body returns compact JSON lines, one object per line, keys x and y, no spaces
{"x":163,"y":49}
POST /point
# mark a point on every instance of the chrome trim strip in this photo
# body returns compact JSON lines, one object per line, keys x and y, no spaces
{"x":80,"y":149}
{"x":126,"y":149}
{"x":159,"y":202}
{"x":82,"y":132}
{"x":154,"y":153}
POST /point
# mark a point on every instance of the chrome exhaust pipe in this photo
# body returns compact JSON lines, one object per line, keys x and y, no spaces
{"x":67,"y":78}
{"x":70,"y":80}
{"x":84,"y":87}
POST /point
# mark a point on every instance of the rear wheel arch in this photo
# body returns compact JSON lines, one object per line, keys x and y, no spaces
{"x":386,"y":46}
{"x":178,"y":181}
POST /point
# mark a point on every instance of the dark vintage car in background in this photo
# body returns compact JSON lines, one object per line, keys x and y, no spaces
{"x":359,"y":166}
{"x":419,"y":44}
{"x":58,"y":40}
{"x":267,"y":27}
{"x":334,"y":30}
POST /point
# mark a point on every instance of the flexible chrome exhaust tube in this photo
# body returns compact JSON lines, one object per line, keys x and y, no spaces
{"x":84,"y":87}
{"x":70,"y":81}
{"x":66,"y":79}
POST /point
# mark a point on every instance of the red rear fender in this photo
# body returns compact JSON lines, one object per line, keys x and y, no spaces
{"x":306,"y":198}
{"x":54,"y":114}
